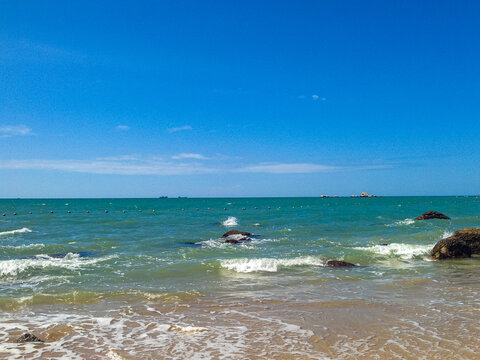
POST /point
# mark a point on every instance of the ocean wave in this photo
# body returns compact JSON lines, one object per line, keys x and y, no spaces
{"x":268,"y":264}
{"x":402,"y":222}
{"x":231,"y":221}
{"x":17,"y":231}
{"x":221,"y":244}
{"x":25,"y":246}
{"x":403,"y":251}
{"x":12,"y":268}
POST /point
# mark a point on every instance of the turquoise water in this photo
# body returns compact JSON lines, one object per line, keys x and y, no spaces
{"x":174,"y":245}
{"x":152,"y":278}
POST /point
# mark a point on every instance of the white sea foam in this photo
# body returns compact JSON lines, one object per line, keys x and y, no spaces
{"x":221,"y":244}
{"x":17,"y":231}
{"x":25,"y":246}
{"x":150,"y":334}
{"x":231,"y":221}
{"x":403,"y":222}
{"x":12,"y":268}
{"x":404,"y":251}
{"x":447,"y":234}
{"x":268,"y":264}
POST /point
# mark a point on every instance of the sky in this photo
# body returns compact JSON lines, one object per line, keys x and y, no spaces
{"x":239,"y":98}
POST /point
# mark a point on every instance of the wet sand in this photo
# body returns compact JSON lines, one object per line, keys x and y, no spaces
{"x":429,"y":318}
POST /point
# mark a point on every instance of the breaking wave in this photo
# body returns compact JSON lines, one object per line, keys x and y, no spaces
{"x":18,"y":231}
{"x":403,"y":251}
{"x":231,"y":221}
{"x":12,"y":268}
{"x":268,"y":264}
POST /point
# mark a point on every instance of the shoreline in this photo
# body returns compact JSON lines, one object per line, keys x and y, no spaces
{"x":241,"y":327}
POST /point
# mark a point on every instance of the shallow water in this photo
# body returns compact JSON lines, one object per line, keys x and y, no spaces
{"x":153,"y":278}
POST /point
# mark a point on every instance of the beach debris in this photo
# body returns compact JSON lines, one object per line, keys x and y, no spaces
{"x":27,"y":337}
{"x":432,"y":215}
{"x":236,"y":236}
{"x":338,"y":263}
{"x":463,"y":243}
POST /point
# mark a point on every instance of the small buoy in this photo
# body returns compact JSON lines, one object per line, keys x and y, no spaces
{"x":208,"y":209}
{"x":255,"y":208}
{"x":88,"y":212}
{"x":3,"y":214}
{"x":183,"y":209}
{"x":30,"y":212}
{"x":244,"y":209}
{"x":139,"y":210}
{"x":123,"y":211}
{"x":69,"y":212}
{"x":51,"y":212}
{"x":268,"y":208}
{"x":153,"y":210}
{"x":197,"y":209}
{"x":14,"y":213}
{"x":106,"y":211}
{"x":224,"y":208}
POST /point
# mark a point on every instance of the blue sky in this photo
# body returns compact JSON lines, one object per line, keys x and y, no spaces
{"x":239,"y":98}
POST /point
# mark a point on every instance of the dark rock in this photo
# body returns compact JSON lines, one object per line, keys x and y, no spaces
{"x":432,"y":215}
{"x":471,"y":236}
{"x":235,"y":236}
{"x":338,"y":263}
{"x":235,"y":232}
{"x":236,"y":240}
{"x":450,"y":248}
{"x":463,"y":243}
{"x":28,"y":338}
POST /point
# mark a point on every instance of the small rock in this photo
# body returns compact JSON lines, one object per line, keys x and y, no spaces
{"x":338,"y":263}
{"x":236,"y":232}
{"x":432,"y":215}
{"x":235,"y":236}
{"x":28,"y":338}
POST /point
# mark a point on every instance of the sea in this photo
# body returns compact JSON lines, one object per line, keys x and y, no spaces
{"x":154,"y":279}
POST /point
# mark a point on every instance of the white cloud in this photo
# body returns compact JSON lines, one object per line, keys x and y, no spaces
{"x":122,"y":127}
{"x":189,"y":156}
{"x":181,"y":128}
{"x":15,"y":130}
{"x":136,"y":165}
{"x":288,"y":168}
{"x":114,"y":167}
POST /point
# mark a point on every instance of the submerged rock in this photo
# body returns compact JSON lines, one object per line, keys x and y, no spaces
{"x":463,"y":243}
{"x":28,"y":338}
{"x":235,"y":236}
{"x":432,"y":215}
{"x":338,"y":263}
